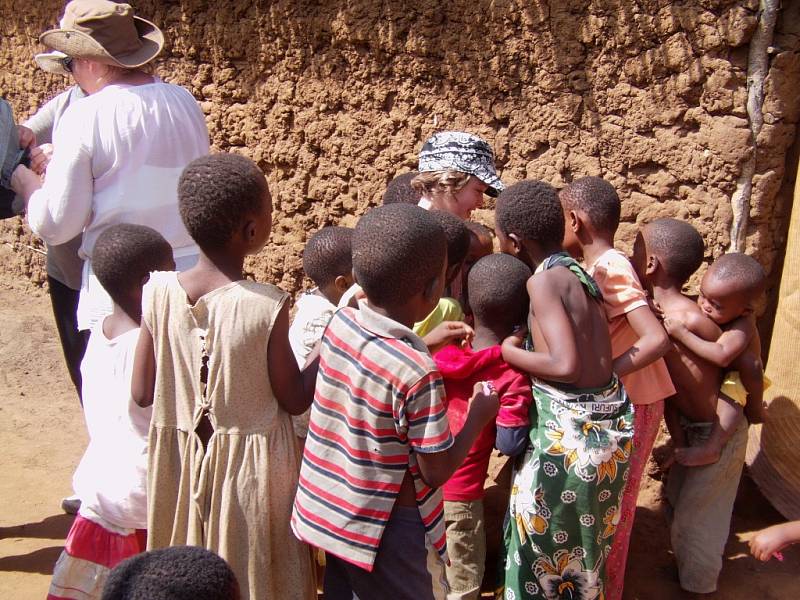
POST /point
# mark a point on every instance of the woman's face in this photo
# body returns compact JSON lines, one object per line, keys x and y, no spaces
{"x":461,"y":203}
{"x":469,"y":197}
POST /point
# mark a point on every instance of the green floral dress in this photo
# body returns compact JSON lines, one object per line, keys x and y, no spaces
{"x":567,"y":486}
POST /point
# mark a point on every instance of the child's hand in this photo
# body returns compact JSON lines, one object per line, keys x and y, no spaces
{"x":484,"y":403}
{"x":517,"y":338}
{"x":767,"y":542}
{"x":448,"y":332}
{"x":675,"y":328}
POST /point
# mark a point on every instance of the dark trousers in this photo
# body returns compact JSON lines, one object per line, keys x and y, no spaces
{"x":406,"y":568}
{"x":73,"y":342}
{"x":6,"y":199}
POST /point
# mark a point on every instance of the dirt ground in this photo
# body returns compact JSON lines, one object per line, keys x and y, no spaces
{"x":43,"y":437}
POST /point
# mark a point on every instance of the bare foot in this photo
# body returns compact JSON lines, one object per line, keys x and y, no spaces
{"x":697,"y":456}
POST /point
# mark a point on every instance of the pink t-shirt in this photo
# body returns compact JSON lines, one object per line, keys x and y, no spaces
{"x":623,"y":293}
{"x":461,"y":369}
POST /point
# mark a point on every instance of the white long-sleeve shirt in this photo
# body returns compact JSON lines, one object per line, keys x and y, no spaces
{"x":117,"y":157}
{"x":63,"y":262}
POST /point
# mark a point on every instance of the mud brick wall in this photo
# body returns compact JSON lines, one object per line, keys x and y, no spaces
{"x":332,"y":99}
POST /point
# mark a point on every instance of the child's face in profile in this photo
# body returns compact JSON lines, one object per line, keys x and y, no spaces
{"x":722,"y":301}
{"x":263,"y":225}
{"x":639,"y":258}
{"x":570,"y":243}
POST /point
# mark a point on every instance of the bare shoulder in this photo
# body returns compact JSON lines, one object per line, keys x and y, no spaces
{"x":556,"y":276}
{"x":696,"y":322}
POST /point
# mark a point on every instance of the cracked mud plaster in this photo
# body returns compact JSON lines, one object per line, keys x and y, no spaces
{"x":333,"y":99}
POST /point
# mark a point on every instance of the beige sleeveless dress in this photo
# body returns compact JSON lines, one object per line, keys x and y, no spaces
{"x":235,"y":496}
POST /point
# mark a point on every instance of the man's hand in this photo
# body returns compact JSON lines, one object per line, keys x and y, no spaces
{"x":26,"y":137}
{"x":448,"y":332}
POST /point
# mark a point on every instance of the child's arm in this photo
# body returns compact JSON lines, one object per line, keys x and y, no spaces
{"x":446,"y":333}
{"x":721,"y":352}
{"x":143,"y":378}
{"x":293,"y":388}
{"x":437,"y":467}
{"x":751,"y":374}
{"x":653,"y":342}
{"x":771,"y":540}
{"x":560,"y":362}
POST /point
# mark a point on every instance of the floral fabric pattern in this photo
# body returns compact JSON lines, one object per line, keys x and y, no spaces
{"x":566,"y":494}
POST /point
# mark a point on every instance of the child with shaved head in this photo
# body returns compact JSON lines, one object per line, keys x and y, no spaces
{"x":569,"y":483}
{"x":458,"y":241}
{"x":727,"y":293}
{"x":328,"y":262}
{"x":111,"y":479}
{"x":379,"y":443}
{"x":638,"y":341}
{"x":214,"y":361}
{"x":665,"y":254}
{"x":499,"y":302}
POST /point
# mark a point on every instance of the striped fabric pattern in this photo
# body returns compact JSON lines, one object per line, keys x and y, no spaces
{"x":90,"y":552}
{"x":379,"y":400}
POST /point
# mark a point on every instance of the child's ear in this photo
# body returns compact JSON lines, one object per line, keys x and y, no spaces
{"x":249,"y":231}
{"x":574,"y":221}
{"x":516,"y":243}
{"x":652,"y":264}
{"x":341,"y":283}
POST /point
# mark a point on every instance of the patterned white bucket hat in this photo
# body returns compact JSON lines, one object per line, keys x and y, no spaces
{"x":463,"y":152}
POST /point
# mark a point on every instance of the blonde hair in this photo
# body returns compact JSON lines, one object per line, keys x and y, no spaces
{"x":433,"y":184}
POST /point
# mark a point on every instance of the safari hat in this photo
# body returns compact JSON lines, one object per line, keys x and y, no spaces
{"x":52,"y":62}
{"x":463,"y":152}
{"x":106,"y":32}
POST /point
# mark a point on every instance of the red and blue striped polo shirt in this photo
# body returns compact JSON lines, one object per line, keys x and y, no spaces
{"x":379,"y":400}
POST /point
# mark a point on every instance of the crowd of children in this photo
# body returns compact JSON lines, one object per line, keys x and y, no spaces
{"x":359,"y":436}
{"x":234,"y":451}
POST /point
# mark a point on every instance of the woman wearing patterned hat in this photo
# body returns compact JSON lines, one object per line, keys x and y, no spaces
{"x":455,"y":170}
{"x":117,"y":154}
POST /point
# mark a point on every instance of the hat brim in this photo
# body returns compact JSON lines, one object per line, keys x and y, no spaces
{"x":81,"y":45}
{"x":495,"y":185}
{"x":51,"y":62}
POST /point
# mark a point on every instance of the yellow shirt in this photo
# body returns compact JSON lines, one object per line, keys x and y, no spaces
{"x":448,"y":309}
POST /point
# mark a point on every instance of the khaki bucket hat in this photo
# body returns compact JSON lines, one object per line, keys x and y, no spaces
{"x":106,"y":32}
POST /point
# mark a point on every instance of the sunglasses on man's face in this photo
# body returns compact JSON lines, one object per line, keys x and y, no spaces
{"x":66,"y":62}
